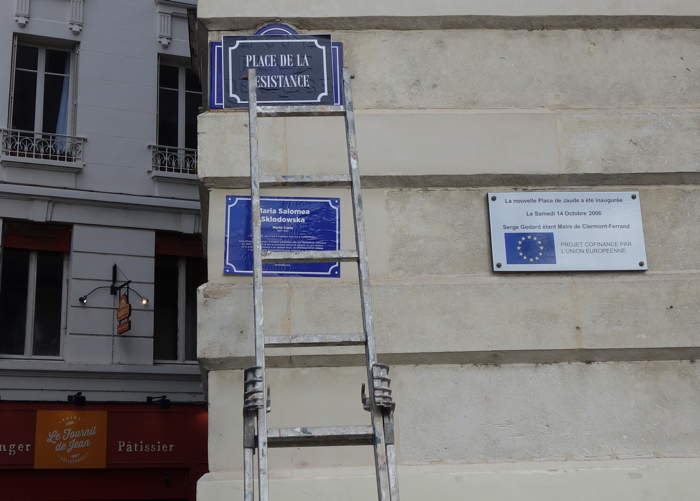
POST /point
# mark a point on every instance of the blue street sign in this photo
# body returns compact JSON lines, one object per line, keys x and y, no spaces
{"x":276,"y":29}
{"x":216,"y":63}
{"x":288,"y":224}
{"x":291,"y":69}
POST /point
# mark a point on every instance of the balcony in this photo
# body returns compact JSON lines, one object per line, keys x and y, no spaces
{"x":172,"y":162}
{"x":42,"y":149}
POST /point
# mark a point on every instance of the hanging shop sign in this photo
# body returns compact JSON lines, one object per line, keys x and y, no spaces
{"x":288,"y":224}
{"x":123,"y":315}
{"x":566,"y":231}
{"x":291,"y":69}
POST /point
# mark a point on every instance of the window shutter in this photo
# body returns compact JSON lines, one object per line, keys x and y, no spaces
{"x":36,"y":236}
{"x":179,"y":244}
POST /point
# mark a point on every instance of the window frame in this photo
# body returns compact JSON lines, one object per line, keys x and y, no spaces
{"x":182,"y":68}
{"x":181,"y":338}
{"x":43,"y":45}
{"x":31,"y":309}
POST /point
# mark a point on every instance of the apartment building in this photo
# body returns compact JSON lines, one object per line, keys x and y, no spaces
{"x":101,"y":252}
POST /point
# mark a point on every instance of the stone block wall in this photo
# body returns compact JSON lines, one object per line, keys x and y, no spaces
{"x":551,"y":372}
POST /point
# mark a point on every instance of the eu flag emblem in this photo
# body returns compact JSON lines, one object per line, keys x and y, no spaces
{"x":530,"y":248}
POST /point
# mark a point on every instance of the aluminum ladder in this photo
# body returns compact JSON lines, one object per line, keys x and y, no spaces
{"x":257,"y":436}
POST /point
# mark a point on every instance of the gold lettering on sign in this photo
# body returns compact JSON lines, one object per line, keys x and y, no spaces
{"x":141,"y":446}
{"x":70,"y":439}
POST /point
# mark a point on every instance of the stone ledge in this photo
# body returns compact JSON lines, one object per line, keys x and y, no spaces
{"x":617,"y":480}
{"x":529,"y":181}
{"x":494,"y":357}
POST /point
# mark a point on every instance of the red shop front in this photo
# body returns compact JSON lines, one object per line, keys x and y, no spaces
{"x":95,"y":452}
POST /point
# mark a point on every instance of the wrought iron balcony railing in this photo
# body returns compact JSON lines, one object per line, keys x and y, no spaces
{"x":173,"y":160}
{"x":24,"y":144}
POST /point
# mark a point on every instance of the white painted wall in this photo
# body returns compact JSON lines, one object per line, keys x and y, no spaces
{"x":113,"y":203}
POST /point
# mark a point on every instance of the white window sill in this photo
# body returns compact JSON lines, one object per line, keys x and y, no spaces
{"x":38,"y":163}
{"x":58,"y":365}
{"x":29,"y":357}
{"x":174,"y":176}
{"x":175,"y":362}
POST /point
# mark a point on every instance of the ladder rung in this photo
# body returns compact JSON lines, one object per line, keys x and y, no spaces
{"x":300,"y":111}
{"x":320,"y":436}
{"x":309,"y":256}
{"x":322,"y":180}
{"x":315,"y":340}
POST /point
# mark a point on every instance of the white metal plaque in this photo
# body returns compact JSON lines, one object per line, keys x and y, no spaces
{"x":566,"y":231}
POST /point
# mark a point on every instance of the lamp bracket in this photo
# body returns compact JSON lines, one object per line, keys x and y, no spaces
{"x":116,"y":288}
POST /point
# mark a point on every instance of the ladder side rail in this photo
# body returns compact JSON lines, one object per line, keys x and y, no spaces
{"x":393,"y":477}
{"x":248,"y":475}
{"x":391,"y":454}
{"x":380,"y":456}
{"x":248,"y":452}
{"x":257,"y":281}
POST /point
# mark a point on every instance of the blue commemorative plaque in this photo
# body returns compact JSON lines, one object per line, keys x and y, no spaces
{"x":291,"y":69}
{"x":288,"y":224}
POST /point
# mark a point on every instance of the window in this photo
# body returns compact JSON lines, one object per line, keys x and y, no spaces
{"x":179,"y":98}
{"x":179,"y":270}
{"x":41,"y":90}
{"x":41,"y":105}
{"x":32,"y":288}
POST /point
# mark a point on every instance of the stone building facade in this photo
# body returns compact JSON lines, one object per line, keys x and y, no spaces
{"x":576,"y":385}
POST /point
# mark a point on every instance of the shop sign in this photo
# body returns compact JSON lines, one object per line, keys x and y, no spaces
{"x":566,"y":231}
{"x":122,"y":435}
{"x":123,"y":315}
{"x":156,"y":438}
{"x":17,"y":438}
{"x":290,"y":69}
{"x":288,"y":224}
{"x":70,"y":439}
